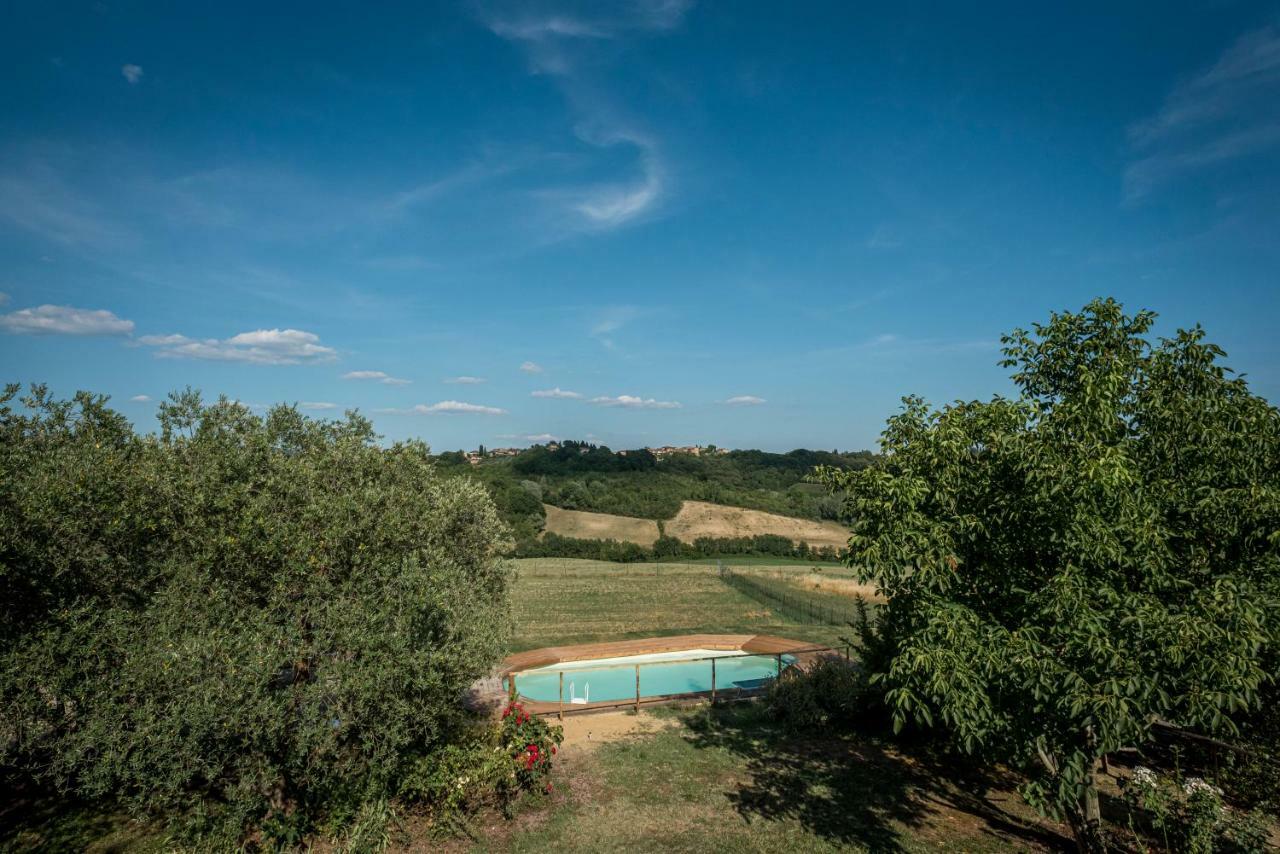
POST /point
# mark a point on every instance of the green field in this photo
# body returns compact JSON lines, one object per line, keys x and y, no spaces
{"x":564,"y":600}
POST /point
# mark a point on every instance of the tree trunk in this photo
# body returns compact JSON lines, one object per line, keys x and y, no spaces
{"x":1086,"y":819}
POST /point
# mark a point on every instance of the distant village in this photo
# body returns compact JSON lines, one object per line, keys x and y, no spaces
{"x":661,"y":453}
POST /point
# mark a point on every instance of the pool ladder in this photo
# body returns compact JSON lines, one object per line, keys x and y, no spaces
{"x":586,"y":694}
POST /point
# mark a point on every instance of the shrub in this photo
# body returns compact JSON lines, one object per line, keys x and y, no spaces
{"x":1191,"y":817}
{"x":246,"y":621}
{"x":493,"y":764}
{"x":830,"y":692}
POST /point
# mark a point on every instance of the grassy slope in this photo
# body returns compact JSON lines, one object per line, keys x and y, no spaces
{"x":563,"y":600}
{"x":731,"y":781}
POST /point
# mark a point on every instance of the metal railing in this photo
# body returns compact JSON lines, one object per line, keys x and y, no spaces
{"x":716,"y":692}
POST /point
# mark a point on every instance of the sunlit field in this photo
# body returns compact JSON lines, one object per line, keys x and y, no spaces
{"x":564,"y":600}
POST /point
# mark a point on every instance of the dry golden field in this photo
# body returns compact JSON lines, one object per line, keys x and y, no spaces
{"x":702,"y":519}
{"x":600,"y":526}
{"x":695,"y":519}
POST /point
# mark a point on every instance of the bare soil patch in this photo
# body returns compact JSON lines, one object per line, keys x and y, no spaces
{"x":703,"y":519}
{"x":587,"y":732}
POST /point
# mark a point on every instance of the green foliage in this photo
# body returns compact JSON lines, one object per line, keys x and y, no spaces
{"x":244,"y":621}
{"x":582,"y":476}
{"x":491,"y":764}
{"x":1190,"y":817}
{"x":1067,"y":567}
{"x":670,"y":548}
{"x":830,"y":692}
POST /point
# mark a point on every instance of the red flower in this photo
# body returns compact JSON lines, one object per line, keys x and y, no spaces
{"x":553,"y":750}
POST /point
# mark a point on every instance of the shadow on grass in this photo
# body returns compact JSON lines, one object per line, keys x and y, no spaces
{"x":853,"y":790}
{"x":33,"y":820}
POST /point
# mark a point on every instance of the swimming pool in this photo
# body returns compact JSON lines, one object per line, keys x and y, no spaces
{"x":661,"y":674}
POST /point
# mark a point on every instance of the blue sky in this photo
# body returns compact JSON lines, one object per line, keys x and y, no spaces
{"x":757,"y":225}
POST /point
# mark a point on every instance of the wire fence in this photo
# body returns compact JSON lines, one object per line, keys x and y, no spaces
{"x":785,"y":598}
{"x":725,"y":677}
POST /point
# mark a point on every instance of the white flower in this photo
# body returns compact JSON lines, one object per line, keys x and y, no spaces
{"x":1144,"y":776}
{"x":1195,"y":784}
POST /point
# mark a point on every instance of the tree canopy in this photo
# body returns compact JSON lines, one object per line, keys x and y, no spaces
{"x":1066,"y":568}
{"x":243,"y":619}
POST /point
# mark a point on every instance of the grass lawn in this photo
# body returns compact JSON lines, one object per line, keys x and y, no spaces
{"x":564,"y":601}
{"x":766,"y":560}
{"x":730,"y":780}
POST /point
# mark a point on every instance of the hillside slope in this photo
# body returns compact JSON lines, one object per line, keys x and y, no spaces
{"x":695,"y":519}
{"x":582,"y":525}
{"x":703,"y":519}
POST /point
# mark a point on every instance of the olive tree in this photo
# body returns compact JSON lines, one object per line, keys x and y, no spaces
{"x":1066,"y":568}
{"x":242,"y":620}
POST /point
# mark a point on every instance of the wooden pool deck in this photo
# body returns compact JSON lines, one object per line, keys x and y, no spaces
{"x":803,"y":652}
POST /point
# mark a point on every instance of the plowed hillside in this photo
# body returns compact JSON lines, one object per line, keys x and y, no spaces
{"x":695,"y":519}
{"x":702,"y":519}
{"x":600,"y":526}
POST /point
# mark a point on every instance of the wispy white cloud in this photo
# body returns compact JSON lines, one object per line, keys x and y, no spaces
{"x":64,"y":320}
{"x":446,"y":407}
{"x":1223,"y":113}
{"x":4,"y":298}
{"x":375,"y":376}
{"x":745,"y":400}
{"x":553,"y":41}
{"x":628,"y":401}
{"x":36,"y":198}
{"x":317,"y":405}
{"x":608,"y":206}
{"x":543,"y":28}
{"x":140,"y":398}
{"x":556,"y":393}
{"x":261,"y":347}
{"x":132,"y":73}
{"x":535,"y":438}
{"x":531,"y":367}
{"x":465,"y":380}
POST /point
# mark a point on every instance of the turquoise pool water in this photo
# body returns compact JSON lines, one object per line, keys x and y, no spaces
{"x":618,"y":681}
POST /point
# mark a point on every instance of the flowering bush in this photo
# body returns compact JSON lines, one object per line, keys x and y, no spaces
{"x":1191,"y":817}
{"x":530,"y":742}
{"x":492,"y":764}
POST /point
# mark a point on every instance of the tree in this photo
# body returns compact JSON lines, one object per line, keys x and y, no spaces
{"x":1068,"y":567}
{"x":244,"y":621}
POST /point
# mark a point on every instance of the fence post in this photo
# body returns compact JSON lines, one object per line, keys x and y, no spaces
{"x":637,"y":688}
{"x":846,"y":652}
{"x":713,"y":681}
{"x":561,"y":695}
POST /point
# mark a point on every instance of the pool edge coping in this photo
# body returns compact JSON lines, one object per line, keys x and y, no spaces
{"x":546,"y":656}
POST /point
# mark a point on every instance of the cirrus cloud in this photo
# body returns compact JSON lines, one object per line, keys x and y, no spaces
{"x":628,"y":401}
{"x":745,"y":400}
{"x":64,"y":320}
{"x":465,"y":380}
{"x":259,"y":347}
{"x":531,"y":367}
